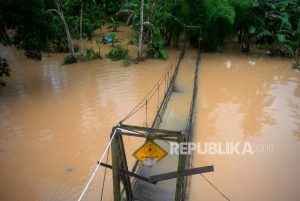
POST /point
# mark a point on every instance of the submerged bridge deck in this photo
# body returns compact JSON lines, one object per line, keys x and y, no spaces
{"x":173,"y":122}
{"x":175,"y":117}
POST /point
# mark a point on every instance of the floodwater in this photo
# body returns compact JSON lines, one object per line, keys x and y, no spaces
{"x":248,"y":99}
{"x":55,"y":120}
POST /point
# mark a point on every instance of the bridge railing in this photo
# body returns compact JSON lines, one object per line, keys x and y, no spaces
{"x":158,"y":117}
{"x":190,"y":128}
{"x":161,"y":109}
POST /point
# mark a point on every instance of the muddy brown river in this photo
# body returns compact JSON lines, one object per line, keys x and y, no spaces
{"x":55,"y":121}
{"x":256,"y":100}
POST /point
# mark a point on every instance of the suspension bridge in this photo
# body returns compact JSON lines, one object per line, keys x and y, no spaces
{"x":151,"y":179}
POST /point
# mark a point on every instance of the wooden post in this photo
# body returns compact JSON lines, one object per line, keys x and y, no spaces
{"x":116,"y":166}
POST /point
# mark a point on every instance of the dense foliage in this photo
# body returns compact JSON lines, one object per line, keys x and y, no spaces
{"x":36,"y":26}
{"x":282,"y":26}
{"x":70,"y":59}
{"x":156,"y":48}
{"x":272,"y":23}
{"x":4,"y":71}
{"x":51,"y":25}
{"x":24,"y":24}
{"x":118,"y":52}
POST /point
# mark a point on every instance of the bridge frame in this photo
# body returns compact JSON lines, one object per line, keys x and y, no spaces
{"x":119,"y":160}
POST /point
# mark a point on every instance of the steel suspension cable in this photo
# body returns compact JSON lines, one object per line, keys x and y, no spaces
{"x":133,"y":111}
{"x":216,"y":188}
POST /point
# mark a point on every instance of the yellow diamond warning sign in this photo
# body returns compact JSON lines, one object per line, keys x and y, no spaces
{"x":150,"y":150}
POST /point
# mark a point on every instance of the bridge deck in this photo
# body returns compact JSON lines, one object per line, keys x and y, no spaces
{"x":175,"y":118}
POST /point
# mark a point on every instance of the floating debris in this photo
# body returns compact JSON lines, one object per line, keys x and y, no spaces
{"x":252,"y":63}
{"x":69,"y":169}
{"x":228,"y":64}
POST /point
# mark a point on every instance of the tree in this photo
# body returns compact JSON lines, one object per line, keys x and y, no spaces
{"x":247,"y":22}
{"x":151,"y":25}
{"x":81,"y":42}
{"x":139,"y":57}
{"x":82,"y":17}
{"x":60,"y":13}
{"x":180,"y":13}
{"x":282,"y":25}
{"x":216,"y":19}
{"x":290,"y":38}
{"x":24,"y":24}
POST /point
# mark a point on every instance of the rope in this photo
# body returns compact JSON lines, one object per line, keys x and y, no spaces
{"x":97,"y":166}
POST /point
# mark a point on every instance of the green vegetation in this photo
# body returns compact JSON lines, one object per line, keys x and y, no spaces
{"x":51,"y":25}
{"x":118,"y":52}
{"x":156,"y":48}
{"x":90,"y":53}
{"x":114,"y":25}
{"x":4,"y":71}
{"x":25,"y":25}
{"x":273,"y":23}
{"x":70,"y":59}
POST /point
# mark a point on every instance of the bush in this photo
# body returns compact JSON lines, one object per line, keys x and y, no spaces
{"x":70,"y":59}
{"x":118,"y":52}
{"x":156,"y":48}
{"x":33,"y":54}
{"x":127,"y":61}
{"x":90,"y":53}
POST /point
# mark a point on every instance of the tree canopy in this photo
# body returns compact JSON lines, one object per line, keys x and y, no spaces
{"x":28,"y":24}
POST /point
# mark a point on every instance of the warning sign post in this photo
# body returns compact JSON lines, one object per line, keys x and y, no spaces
{"x":150,"y":151}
